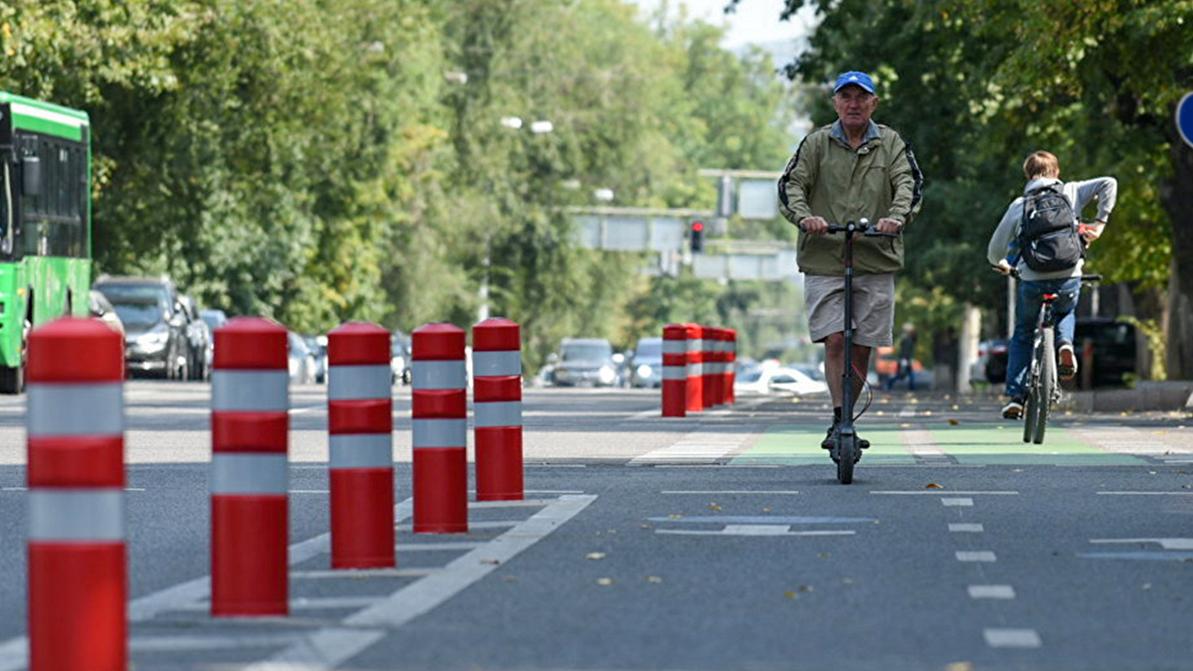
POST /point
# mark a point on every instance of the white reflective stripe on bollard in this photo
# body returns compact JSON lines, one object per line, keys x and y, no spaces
{"x":359,"y":383}
{"x":84,"y":515}
{"x":250,"y":390}
{"x":675,"y":373}
{"x":363,"y":450}
{"x":75,"y":409}
{"x":434,"y":375}
{"x":695,"y":369}
{"x":496,"y":364}
{"x":695,"y":345}
{"x":497,"y":413}
{"x":675,"y":346}
{"x":440,"y":432}
{"x":249,"y":473}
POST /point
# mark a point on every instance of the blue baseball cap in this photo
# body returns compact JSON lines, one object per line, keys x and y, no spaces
{"x":854,"y":78}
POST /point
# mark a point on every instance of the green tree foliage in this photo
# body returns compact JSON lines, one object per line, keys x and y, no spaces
{"x":318,"y":162}
{"x":977,"y":85}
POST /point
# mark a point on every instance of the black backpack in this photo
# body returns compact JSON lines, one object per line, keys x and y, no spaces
{"x":1048,"y":238}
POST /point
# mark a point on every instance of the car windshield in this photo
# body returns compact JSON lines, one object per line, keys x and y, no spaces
{"x":587,"y":351}
{"x":812,"y":372}
{"x":213,"y":320}
{"x":751,"y":376}
{"x":134,"y":313}
{"x":649,"y":349}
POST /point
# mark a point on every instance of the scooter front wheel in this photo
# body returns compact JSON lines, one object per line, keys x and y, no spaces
{"x":846,"y":457}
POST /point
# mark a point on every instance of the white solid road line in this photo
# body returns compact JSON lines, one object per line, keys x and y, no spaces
{"x":311,"y":603}
{"x":964,"y":502}
{"x":1012,"y":638}
{"x":975,"y":556}
{"x":328,"y":648}
{"x":754,"y":530}
{"x":25,"y":489}
{"x":325,"y":574}
{"x":942,"y":492}
{"x":1166,"y":543}
{"x":205,"y":643}
{"x":1145,"y":493}
{"x":965,"y":528}
{"x":991,"y":592}
{"x":520,"y":503}
{"x":726,"y":492}
{"x":439,"y":547}
{"x":489,"y":524}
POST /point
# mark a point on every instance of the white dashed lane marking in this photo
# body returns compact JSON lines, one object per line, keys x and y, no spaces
{"x":965,"y":528}
{"x":963,"y":502}
{"x":991,"y":592}
{"x":975,"y":556}
{"x":1012,"y":638}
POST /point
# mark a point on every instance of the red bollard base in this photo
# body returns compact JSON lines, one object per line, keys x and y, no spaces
{"x":440,"y":490}
{"x":249,"y":566}
{"x":73,"y":591}
{"x":499,"y":463}
{"x":673,"y":398}
{"x":362,"y":518}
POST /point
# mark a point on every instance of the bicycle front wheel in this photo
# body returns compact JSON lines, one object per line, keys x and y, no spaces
{"x":845,"y":460}
{"x":1046,"y":387}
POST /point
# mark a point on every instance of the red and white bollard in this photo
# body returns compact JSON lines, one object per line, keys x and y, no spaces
{"x":717,"y":372}
{"x":250,"y":425}
{"x":440,"y":412}
{"x":674,"y":387}
{"x":360,"y":424}
{"x":707,"y":365}
{"x":694,"y":389}
{"x":78,"y":583}
{"x":730,"y":366}
{"x":497,"y":409}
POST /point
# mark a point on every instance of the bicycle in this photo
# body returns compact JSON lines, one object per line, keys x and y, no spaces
{"x":846,"y":450}
{"x":1043,"y":390}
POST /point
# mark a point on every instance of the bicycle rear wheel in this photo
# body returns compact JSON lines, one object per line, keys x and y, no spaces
{"x":1047,"y":385}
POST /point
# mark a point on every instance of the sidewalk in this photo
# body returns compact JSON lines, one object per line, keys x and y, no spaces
{"x":1147,"y":395}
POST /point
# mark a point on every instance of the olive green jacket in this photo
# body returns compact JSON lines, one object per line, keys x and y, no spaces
{"x":830,"y":179}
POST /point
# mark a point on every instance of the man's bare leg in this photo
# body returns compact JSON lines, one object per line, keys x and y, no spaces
{"x":834,"y":366}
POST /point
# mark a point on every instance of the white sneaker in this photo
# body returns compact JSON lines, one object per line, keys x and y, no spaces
{"x":1066,"y":364}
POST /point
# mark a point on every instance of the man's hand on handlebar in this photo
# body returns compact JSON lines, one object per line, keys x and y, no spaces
{"x":813,"y":225}
{"x":1004,"y":267}
{"x":889,"y":226}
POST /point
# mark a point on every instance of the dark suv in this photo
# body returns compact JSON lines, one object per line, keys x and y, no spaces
{"x":155,"y":338}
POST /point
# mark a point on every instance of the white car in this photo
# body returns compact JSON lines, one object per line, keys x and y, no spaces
{"x":778,"y":381}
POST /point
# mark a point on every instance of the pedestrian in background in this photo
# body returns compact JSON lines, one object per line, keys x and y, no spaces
{"x":906,"y":358}
{"x":847,"y":171}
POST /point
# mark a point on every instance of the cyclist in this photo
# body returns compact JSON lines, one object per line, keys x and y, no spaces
{"x":1046,"y":260}
{"x":847,"y":171}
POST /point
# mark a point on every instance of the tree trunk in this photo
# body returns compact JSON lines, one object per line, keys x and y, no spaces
{"x":1177,"y":196}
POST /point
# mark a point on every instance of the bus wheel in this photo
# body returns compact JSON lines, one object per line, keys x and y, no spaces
{"x":12,"y":378}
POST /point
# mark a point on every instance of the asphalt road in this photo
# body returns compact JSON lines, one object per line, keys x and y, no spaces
{"x":716,"y":541}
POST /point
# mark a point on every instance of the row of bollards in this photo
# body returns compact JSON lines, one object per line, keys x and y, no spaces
{"x":75,"y":420}
{"x":698,"y":368}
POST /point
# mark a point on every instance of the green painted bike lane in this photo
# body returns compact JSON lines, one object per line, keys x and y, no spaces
{"x":988,"y":444}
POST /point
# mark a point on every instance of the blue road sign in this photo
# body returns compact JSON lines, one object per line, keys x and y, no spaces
{"x":1184,"y":118}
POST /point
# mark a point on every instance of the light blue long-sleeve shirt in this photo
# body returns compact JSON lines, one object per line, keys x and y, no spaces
{"x":1005,"y":240}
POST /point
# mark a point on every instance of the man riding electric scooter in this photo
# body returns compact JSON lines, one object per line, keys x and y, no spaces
{"x":851,"y":170}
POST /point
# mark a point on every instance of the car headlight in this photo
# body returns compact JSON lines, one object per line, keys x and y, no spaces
{"x":606,"y":374}
{"x":645,"y":371}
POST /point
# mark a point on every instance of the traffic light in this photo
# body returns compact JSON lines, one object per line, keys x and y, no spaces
{"x":697,"y":237}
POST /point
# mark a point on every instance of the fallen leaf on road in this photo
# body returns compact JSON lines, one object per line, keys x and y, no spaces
{"x":766,"y":509}
{"x":595,"y":555}
{"x":847,"y":581}
{"x":954,"y":422}
{"x":904,"y":425}
{"x":644,"y":525}
{"x":604,"y":582}
{"x":959,"y":666}
{"x":714,"y":507}
{"x":804,"y":588}
{"x":675,"y":516}
{"x":791,"y":595}
{"x":1146,"y":586}
{"x":880,"y":413}
{"x":491,"y":562}
{"x":653,"y":579}
{"x":823,"y":555}
{"x":956,"y":407}
{"x":932,"y":485}
{"x":509,"y":578}
{"x":927,"y":412}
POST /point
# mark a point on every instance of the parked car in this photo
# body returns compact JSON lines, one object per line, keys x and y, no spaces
{"x":318,"y":347}
{"x":646,"y":364}
{"x":991,"y":364}
{"x":585,"y":362}
{"x":1114,"y":349}
{"x":214,"y":319}
{"x":399,"y":361}
{"x":102,"y":310}
{"x":778,"y":380}
{"x":155,"y":338}
{"x":301,"y":361}
{"x":199,"y":335}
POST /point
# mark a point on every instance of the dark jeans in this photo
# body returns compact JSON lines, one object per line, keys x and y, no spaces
{"x":1027,"y":309}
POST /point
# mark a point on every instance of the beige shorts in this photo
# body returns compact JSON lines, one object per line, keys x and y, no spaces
{"x":873,"y":307}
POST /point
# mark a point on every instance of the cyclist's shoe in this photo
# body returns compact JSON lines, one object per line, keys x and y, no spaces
{"x":827,"y":443}
{"x":1066,"y":364}
{"x":1013,"y":409}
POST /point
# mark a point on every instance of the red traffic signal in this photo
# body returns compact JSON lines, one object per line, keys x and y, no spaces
{"x":696,"y":237}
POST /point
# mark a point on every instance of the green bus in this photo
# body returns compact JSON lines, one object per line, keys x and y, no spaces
{"x":45,"y":223}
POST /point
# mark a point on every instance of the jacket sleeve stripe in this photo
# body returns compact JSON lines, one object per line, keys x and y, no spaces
{"x":917,"y":192}
{"x":787,"y":171}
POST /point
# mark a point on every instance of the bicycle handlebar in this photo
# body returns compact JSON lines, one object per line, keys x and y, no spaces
{"x":862,"y":226}
{"x":1091,"y":279}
